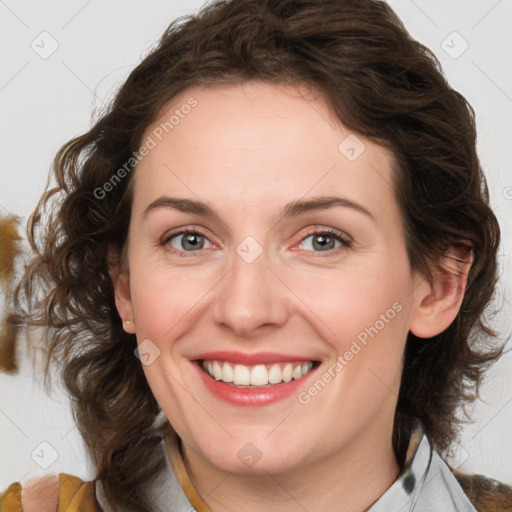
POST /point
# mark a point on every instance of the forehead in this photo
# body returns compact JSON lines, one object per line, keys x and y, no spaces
{"x":256,"y":144}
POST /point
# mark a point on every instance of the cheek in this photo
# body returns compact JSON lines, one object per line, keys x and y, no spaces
{"x":366,"y":309}
{"x":163,"y":298}
{"x":358,"y":301}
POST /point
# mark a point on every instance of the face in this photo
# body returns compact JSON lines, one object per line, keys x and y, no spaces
{"x":266,"y":245}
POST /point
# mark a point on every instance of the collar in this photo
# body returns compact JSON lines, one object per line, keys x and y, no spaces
{"x":425,"y":482}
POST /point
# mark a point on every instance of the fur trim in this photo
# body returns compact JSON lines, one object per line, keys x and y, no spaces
{"x":9,"y":250}
{"x":486,"y":494}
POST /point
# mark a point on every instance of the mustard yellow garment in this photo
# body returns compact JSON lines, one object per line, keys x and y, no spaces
{"x":74,"y":496}
{"x":10,"y":500}
{"x":180,"y":470}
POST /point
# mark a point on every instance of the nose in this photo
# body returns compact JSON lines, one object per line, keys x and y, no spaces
{"x":251,"y":298}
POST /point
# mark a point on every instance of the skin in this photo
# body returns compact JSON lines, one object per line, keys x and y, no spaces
{"x":247,"y":150}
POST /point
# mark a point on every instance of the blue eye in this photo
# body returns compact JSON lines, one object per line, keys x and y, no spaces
{"x":190,"y":241}
{"x":186,"y":241}
{"x":324,"y":241}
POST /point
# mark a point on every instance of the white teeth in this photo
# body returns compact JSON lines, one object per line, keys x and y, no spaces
{"x":217,"y":370}
{"x":242,"y":375}
{"x":275,"y":375}
{"x":297,"y":372}
{"x":257,"y":375}
{"x":306,"y":367}
{"x":287,"y":372}
{"x":227,"y":373}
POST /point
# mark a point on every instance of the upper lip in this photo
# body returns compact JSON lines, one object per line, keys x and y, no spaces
{"x":251,"y":359}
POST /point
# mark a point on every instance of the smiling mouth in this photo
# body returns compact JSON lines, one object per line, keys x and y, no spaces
{"x":256,"y":376}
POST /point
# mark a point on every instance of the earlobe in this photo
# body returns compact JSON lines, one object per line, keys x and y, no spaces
{"x":127,"y":326}
{"x":437,"y":302}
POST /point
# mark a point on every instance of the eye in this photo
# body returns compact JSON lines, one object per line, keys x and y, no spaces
{"x":190,"y":240}
{"x":326,"y":240}
{"x":186,"y":241}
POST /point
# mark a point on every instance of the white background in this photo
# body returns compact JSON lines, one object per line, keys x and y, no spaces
{"x":46,"y":101}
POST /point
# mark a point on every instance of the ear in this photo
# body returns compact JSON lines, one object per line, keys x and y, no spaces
{"x":120,"y":277}
{"x":437,"y":302}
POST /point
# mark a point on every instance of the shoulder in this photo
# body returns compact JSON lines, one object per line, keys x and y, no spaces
{"x":486,"y":494}
{"x":50,"y":493}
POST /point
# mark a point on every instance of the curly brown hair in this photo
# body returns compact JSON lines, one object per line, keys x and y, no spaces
{"x":381,"y":84}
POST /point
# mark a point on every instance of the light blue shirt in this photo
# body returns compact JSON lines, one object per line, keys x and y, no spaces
{"x":425,"y":484}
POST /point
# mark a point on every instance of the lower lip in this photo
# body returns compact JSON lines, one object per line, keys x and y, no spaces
{"x":251,"y":397}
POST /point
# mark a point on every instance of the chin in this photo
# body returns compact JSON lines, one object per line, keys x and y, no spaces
{"x":243,"y":456}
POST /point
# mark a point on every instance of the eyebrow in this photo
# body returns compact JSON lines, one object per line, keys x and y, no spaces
{"x":292,"y":209}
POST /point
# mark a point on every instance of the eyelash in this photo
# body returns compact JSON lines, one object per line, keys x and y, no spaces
{"x":346,"y":242}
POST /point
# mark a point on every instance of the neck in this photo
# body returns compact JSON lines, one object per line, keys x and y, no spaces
{"x":350,"y":479}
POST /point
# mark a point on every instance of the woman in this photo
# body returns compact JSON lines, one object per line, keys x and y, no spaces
{"x":265,"y":271}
